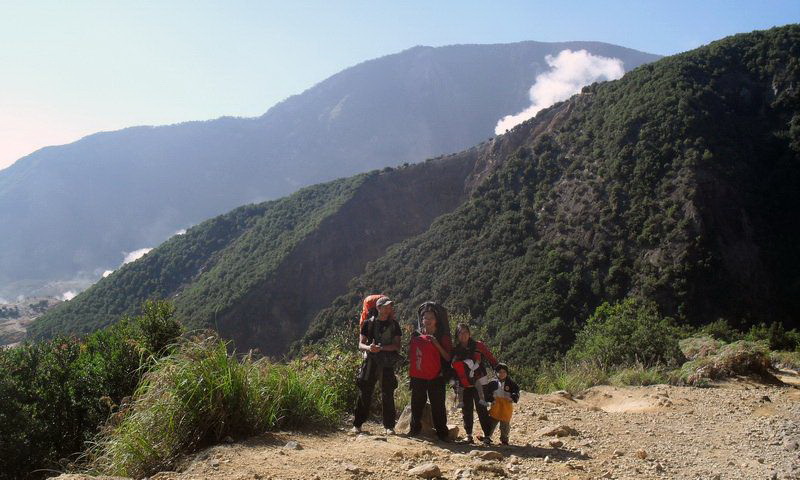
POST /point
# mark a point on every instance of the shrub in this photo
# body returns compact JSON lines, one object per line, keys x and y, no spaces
{"x":200,"y":394}
{"x":54,"y":395}
{"x":775,"y":335}
{"x":627,"y":333}
{"x":156,"y":326}
{"x":720,"y":329}
{"x":738,"y":358}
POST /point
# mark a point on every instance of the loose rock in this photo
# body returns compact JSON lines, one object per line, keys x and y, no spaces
{"x":486,"y":454}
{"x":556,"y":431}
{"x":427,"y":470}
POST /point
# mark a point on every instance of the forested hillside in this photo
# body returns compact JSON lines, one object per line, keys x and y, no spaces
{"x":75,"y":210}
{"x":677,"y":183}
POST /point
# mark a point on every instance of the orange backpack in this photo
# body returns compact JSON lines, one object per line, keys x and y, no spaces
{"x":369,"y":309}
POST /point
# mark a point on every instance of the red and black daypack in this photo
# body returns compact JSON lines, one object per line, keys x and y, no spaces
{"x":471,"y":352}
{"x":424,"y":360}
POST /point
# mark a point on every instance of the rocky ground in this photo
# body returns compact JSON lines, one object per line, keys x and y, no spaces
{"x":738,"y":429}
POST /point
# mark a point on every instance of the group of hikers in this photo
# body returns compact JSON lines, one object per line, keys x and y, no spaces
{"x":434,"y":362}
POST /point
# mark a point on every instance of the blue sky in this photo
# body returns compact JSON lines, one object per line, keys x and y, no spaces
{"x":70,"y":68}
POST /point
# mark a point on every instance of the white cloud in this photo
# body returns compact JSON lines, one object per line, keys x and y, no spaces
{"x":570,"y":72}
{"x":107,"y":273}
{"x":69,"y":295}
{"x":179,"y":232}
{"x":135,"y":255}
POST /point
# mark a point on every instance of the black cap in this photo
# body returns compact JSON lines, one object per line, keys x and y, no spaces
{"x":501,"y":366}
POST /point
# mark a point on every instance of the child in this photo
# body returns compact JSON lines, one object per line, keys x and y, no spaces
{"x":501,"y":392}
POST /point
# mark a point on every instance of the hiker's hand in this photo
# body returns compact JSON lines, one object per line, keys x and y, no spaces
{"x":374,"y":348}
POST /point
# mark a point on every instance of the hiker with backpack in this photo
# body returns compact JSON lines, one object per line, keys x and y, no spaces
{"x":429,"y":360}
{"x":469,"y":358}
{"x":379,"y":340}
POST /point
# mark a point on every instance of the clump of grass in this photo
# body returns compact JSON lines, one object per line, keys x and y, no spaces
{"x":790,"y":360}
{"x":738,"y":358}
{"x":697,"y":347}
{"x":200,"y":395}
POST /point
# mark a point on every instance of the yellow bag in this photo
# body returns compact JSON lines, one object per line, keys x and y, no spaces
{"x":502,"y":409}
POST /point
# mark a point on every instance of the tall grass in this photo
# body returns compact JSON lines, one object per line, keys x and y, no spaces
{"x":568,"y":376}
{"x":200,"y":395}
{"x":575,"y":377}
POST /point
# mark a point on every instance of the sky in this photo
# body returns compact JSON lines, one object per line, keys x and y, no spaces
{"x":72,"y":68}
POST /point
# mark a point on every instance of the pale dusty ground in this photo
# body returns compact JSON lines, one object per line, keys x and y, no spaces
{"x":736,"y":430}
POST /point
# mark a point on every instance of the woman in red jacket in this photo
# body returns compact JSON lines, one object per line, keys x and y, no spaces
{"x":429,"y":355}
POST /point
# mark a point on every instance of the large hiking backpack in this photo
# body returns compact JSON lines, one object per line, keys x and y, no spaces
{"x":423,"y":358}
{"x":369,"y":309}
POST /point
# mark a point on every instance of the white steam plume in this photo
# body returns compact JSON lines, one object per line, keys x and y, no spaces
{"x":135,"y":255}
{"x":107,"y":273}
{"x":570,"y":72}
{"x":67,"y":296}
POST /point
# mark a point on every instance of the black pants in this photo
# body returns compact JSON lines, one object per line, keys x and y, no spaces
{"x":421,"y":392}
{"x":471,"y":399}
{"x":365,"y":389}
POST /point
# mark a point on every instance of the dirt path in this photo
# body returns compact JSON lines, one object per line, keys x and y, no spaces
{"x":735,"y":430}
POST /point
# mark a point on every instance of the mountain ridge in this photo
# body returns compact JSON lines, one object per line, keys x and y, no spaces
{"x":116,"y":192}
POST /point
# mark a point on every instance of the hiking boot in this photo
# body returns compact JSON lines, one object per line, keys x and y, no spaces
{"x":486,"y":440}
{"x":413,"y":432}
{"x":469,"y":439}
{"x":389,"y":431}
{"x":504,"y":441}
{"x":355,"y":430}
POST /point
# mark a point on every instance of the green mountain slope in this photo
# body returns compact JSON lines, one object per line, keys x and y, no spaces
{"x":676,"y":183}
{"x":259,"y":273}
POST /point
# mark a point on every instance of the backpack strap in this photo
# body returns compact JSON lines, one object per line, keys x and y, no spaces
{"x":371,"y":329}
